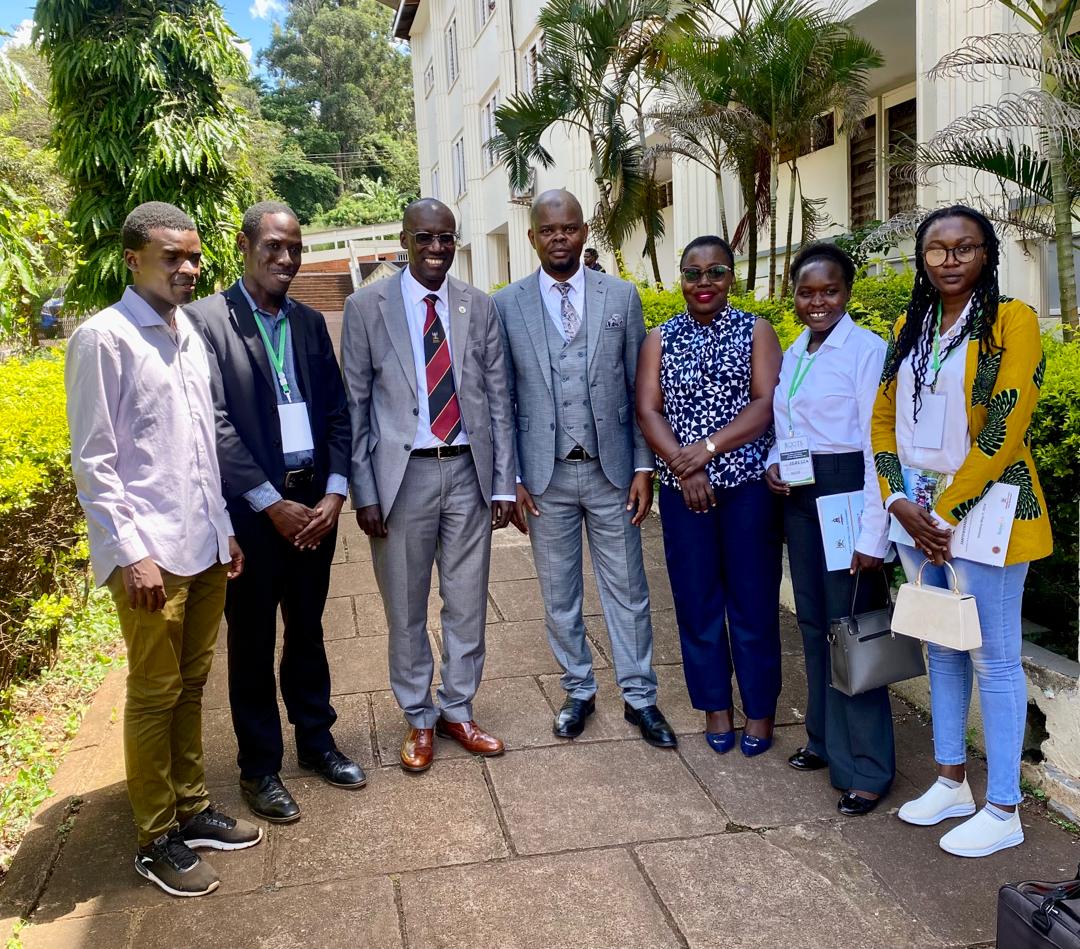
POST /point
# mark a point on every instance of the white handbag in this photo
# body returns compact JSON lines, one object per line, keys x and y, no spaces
{"x":945,"y":617}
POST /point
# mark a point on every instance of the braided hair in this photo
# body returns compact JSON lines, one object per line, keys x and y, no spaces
{"x":925,"y":299}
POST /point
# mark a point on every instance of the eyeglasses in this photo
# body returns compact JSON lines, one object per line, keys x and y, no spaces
{"x":715,"y":274}
{"x":423,"y":238}
{"x":964,"y":254}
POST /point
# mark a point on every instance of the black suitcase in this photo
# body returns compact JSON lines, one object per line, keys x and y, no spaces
{"x":1036,"y":915}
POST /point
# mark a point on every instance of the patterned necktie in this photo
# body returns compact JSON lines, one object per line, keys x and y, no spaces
{"x":571,"y":322}
{"x":443,"y":409}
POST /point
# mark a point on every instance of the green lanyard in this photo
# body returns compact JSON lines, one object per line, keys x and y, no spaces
{"x":936,"y":362}
{"x":277,"y":358}
{"x":796,"y":382}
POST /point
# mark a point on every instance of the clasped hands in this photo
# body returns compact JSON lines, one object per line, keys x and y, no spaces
{"x":303,"y":526}
{"x":929,"y":536}
{"x":688,"y":463}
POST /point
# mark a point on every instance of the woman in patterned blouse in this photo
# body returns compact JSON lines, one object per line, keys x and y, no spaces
{"x":704,"y":402}
{"x":951,"y":418}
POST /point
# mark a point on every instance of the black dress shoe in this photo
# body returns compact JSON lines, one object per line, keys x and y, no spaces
{"x":805,"y":760}
{"x":335,"y":768}
{"x":570,"y":719}
{"x":269,"y":799}
{"x":654,"y":727}
{"x":854,"y":805}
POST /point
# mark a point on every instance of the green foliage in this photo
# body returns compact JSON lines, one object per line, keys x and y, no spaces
{"x":863,"y":242}
{"x":877,"y":302}
{"x":374,"y":203}
{"x":306,"y":187}
{"x":141,"y":114}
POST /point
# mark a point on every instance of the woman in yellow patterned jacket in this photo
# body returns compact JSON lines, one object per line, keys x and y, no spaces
{"x":951,"y":418}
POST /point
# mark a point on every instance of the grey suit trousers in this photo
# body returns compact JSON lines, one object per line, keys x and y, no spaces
{"x":579,"y":492}
{"x":440,"y":518}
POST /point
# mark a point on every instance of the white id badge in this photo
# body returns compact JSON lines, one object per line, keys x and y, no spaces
{"x":930,"y":426}
{"x":295,"y":427}
{"x":796,"y":464}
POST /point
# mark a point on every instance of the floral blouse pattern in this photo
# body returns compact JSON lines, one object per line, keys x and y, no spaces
{"x":705,"y":381}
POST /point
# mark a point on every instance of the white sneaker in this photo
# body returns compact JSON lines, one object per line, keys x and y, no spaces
{"x":983,"y":835}
{"x":937,"y":804}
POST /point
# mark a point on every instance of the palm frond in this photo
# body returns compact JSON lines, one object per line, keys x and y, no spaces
{"x":980,"y":57}
{"x":1034,"y":110}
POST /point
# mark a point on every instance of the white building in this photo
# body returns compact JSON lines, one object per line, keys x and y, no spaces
{"x":469,"y":54}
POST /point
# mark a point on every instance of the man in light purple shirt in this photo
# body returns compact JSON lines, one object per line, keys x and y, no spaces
{"x":141,"y":417}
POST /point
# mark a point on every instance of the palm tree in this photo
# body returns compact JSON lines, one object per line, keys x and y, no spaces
{"x":594,"y":78}
{"x":1027,"y":142}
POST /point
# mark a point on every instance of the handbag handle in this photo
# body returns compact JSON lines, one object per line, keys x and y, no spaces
{"x":955,"y":581}
{"x":855,"y":593}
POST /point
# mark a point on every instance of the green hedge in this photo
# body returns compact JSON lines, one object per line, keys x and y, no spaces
{"x":876,"y":302}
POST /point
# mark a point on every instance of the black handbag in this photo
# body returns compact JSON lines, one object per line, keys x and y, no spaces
{"x":1036,"y":915}
{"x":864,"y":652}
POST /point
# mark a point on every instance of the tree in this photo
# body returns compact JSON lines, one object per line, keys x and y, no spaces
{"x":141,"y":114}
{"x":595,"y":78}
{"x":343,"y":88}
{"x":375,"y":203}
{"x":306,"y":187}
{"x":1026,"y":142}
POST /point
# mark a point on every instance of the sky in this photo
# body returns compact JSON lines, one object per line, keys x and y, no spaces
{"x":251,"y":19}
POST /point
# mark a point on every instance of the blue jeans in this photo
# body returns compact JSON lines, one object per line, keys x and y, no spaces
{"x":998,"y":593}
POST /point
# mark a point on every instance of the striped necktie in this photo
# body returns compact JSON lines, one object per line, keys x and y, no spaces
{"x":443,"y":409}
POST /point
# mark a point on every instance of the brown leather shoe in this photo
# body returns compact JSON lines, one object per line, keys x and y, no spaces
{"x":417,"y":749}
{"x":471,"y":737}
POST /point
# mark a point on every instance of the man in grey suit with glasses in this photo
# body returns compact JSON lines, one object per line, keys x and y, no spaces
{"x":572,"y":337}
{"x":432,"y":470}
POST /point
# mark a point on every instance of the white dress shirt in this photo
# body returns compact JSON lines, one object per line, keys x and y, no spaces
{"x":413,"y":293}
{"x":832,"y":408}
{"x":141,"y":416}
{"x":552,"y":297}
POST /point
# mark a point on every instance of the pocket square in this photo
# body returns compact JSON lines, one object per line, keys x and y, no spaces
{"x":614,"y":322}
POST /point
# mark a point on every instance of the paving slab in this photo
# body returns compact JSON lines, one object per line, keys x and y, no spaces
{"x":739,"y":891}
{"x":517,"y":600}
{"x":84,"y":932}
{"x":514,"y":710}
{"x":398,"y":822}
{"x":95,"y":874}
{"x":909,"y":861}
{"x":592,"y":900}
{"x":347,"y":579}
{"x":765,"y":792}
{"x":348,"y":914}
{"x":370,"y":615}
{"x":580,"y":795}
{"x":521,"y":649}
{"x":360,"y":664}
{"x":512,"y":563}
{"x":339,"y":619}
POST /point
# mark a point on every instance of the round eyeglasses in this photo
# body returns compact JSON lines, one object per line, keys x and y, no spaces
{"x":964,"y":254}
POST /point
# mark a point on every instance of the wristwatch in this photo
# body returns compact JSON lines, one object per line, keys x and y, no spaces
{"x":710,"y":445}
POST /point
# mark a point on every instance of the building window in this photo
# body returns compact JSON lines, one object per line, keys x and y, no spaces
{"x":821,"y":134}
{"x":435,"y":184}
{"x":484,"y":9}
{"x":453,"y":60}
{"x":458,"y":151}
{"x":429,"y":77}
{"x":530,"y":64}
{"x":863,"y":172}
{"x":666,"y":193}
{"x":902,"y":135}
{"x":488,"y":131}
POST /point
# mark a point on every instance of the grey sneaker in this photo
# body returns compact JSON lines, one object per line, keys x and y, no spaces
{"x":216,"y":831}
{"x":175,"y":867}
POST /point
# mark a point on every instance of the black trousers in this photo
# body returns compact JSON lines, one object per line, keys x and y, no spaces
{"x":853,"y":733}
{"x":277,"y":574}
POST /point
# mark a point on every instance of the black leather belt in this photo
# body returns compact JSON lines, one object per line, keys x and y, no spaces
{"x":299,"y":478}
{"x":441,"y":451}
{"x":577,"y":454}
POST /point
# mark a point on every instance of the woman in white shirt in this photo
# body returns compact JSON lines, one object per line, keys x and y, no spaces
{"x":822,"y":409}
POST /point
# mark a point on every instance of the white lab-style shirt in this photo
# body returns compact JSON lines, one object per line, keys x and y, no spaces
{"x":413,"y":293}
{"x":552,"y":297}
{"x":833,"y":407}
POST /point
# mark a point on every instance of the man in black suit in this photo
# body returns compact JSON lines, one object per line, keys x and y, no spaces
{"x":284,"y":443}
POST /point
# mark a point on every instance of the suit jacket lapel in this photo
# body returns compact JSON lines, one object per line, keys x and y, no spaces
{"x":392,"y":307}
{"x":595,"y":301}
{"x":244,"y":321}
{"x":534,"y":313}
{"x":459,"y":303}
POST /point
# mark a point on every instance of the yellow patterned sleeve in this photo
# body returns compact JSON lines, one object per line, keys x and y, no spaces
{"x":883,"y":425}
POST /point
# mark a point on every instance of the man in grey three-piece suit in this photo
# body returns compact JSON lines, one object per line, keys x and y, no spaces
{"x":432,"y":469}
{"x":572,"y":337}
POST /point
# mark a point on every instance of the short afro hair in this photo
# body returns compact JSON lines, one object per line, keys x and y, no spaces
{"x":709,"y":240}
{"x":152,"y":216}
{"x":253,"y":216}
{"x":823,"y":250}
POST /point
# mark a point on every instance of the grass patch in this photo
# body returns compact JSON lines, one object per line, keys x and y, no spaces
{"x":40,"y":716}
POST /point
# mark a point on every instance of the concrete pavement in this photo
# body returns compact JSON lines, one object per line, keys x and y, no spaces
{"x":599,"y":843}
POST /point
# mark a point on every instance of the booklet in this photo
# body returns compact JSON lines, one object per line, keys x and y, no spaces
{"x":840,"y":517}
